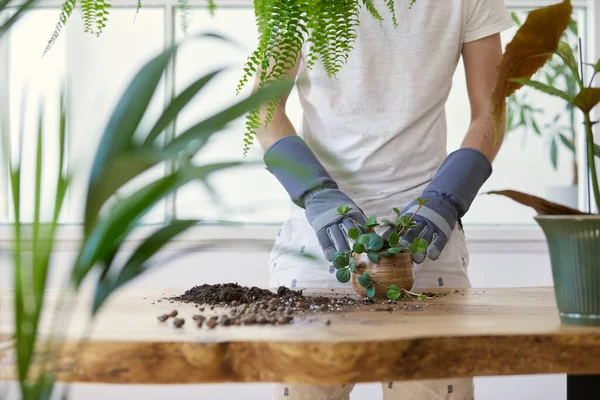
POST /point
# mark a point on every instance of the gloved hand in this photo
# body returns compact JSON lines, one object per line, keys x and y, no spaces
{"x":450,"y":194}
{"x":310,"y":187}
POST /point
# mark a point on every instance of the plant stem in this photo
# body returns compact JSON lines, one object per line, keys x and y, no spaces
{"x":591,"y":158}
{"x":401,"y":232}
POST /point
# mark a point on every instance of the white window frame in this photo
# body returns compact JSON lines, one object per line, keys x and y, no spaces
{"x":486,"y":238}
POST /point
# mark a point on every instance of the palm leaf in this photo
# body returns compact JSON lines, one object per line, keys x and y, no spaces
{"x":127,"y":212}
{"x":137,"y":263}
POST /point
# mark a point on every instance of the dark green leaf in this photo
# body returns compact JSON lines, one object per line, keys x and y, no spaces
{"x":353,"y":233}
{"x":340,"y":259}
{"x":195,"y":137}
{"x":387,"y":222}
{"x":554,"y":153}
{"x":122,"y":125}
{"x":374,"y":257}
{"x":364,"y":239}
{"x":124,"y":215}
{"x":544,"y":88}
{"x":375,"y":242}
{"x":370,"y":291}
{"x":386,"y":254}
{"x":352,"y":264}
{"x":567,"y":142}
{"x":364,"y":282}
{"x":172,"y":111}
{"x":372,"y":220}
{"x":413,"y":248}
{"x":395,"y":250}
{"x":358,"y":248}
{"x":136,"y":264}
{"x":394,"y":239}
{"x":343,"y":275}
{"x":393,"y":293}
{"x":396,"y":211}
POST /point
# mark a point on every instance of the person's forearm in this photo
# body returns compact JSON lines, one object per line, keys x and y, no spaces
{"x":480,"y":136}
{"x":279,"y":127}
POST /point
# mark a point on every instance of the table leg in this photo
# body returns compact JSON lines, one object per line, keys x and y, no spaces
{"x":581,"y":387}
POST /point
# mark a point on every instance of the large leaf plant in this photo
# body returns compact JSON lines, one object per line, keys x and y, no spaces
{"x":111,"y":214}
{"x":535,"y":43}
{"x":558,"y":127}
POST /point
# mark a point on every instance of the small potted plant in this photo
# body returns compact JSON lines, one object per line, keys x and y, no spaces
{"x":573,"y":236}
{"x":379,"y":266}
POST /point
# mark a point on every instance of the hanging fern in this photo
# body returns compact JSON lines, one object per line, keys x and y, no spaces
{"x":183,"y":9}
{"x":67,"y":9}
{"x":328,"y":27}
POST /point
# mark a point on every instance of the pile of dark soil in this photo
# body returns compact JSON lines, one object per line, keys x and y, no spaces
{"x":226,"y":293}
{"x":242,"y":305}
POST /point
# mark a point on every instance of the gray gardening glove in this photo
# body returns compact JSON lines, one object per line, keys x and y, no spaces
{"x":310,"y":187}
{"x":450,"y":195}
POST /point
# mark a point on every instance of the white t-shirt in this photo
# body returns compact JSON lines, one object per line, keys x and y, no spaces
{"x":379,"y":127}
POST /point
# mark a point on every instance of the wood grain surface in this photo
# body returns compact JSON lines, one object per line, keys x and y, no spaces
{"x":465,"y":333}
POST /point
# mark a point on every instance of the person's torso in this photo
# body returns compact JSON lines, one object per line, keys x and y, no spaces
{"x":379,"y":126}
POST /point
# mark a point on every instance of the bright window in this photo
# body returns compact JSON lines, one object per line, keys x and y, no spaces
{"x":97,"y":68}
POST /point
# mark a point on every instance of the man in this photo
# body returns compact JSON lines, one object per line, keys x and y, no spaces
{"x":375,"y":138}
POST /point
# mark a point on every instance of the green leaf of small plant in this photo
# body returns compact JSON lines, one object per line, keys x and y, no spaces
{"x":364,"y":239}
{"x":343,"y":275}
{"x":387,"y":222}
{"x":413,"y":248}
{"x":386,"y":254}
{"x":370,"y":291}
{"x":358,"y":248}
{"x":352,"y":264}
{"x":422,"y":297}
{"x":372,"y":220}
{"x":340,"y":259}
{"x":364,"y":281}
{"x":344,"y":209}
{"x":404,"y":220}
{"x":353,"y":233}
{"x":421,"y":201}
{"x":394,"y":239}
{"x":373,"y":257}
{"x":375,"y":243}
{"x":394,"y":293}
{"x":421,"y":245}
{"x":396,"y":211}
{"x":395,"y":250}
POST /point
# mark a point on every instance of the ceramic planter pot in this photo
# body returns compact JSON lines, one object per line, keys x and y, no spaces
{"x":574,"y":245}
{"x":395,"y":270}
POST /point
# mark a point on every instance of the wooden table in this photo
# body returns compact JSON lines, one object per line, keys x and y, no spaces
{"x":465,"y":333}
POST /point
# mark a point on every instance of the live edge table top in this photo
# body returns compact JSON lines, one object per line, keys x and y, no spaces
{"x":474,"y":332}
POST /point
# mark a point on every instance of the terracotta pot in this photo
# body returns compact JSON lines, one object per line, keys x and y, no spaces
{"x":395,"y":270}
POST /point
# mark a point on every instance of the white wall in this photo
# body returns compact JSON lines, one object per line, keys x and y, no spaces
{"x":513,"y":259}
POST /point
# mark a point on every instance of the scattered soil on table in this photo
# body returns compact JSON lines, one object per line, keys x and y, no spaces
{"x":255,"y":306}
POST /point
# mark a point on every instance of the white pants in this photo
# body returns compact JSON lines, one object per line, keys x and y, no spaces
{"x":291,"y":268}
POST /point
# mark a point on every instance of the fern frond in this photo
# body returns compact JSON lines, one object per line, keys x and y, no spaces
{"x":183,"y":11}
{"x":101,"y":14}
{"x":212,"y":7}
{"x":65,"y":13}
{"x":88,"y":11}
{"x":390,"y":5}
{"x":327,"y":27}
{"x":370,"y":6}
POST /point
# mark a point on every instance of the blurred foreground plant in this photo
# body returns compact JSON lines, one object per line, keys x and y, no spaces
{"x":125,"y":152}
